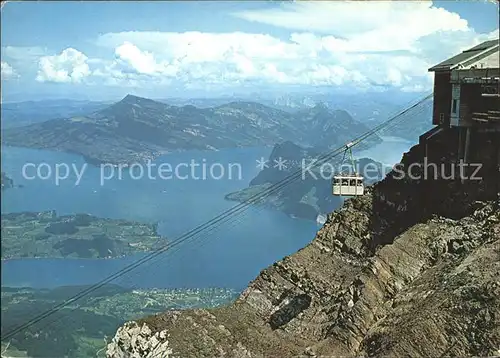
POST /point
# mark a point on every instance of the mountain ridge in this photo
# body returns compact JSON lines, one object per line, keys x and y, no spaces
{"x":136,"y":129}
{"x":308,"y":197}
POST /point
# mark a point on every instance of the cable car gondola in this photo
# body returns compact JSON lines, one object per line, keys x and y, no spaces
{"x":348,"y":184}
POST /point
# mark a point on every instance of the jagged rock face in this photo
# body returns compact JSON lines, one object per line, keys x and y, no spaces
{"x":134,"y":341}
{"x":410,"y":269}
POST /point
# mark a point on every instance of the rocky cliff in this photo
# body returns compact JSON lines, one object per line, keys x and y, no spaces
{"x":312,"y":194}
{"x":410,"y":269}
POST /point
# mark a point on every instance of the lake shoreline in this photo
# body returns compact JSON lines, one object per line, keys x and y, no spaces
{"x":48,"y":235}
{"x":230,"y":256}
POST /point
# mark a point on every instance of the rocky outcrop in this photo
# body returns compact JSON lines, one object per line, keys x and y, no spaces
{"x":311,"y":195}
{"x":410,"y":269}
{"x":139,"y":342}
{"x":6,"y":182}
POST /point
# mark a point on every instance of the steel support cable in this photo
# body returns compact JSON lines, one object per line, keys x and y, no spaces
{"x":205,"y":239}
{"x":148,"y":265}
{"x":224,"y":215}
{"x":192,"y":232}
{"x":201,"y":243}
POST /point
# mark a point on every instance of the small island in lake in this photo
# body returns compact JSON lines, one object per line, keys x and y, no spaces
{"x":6,"y":181}
{"x":47,"y":235}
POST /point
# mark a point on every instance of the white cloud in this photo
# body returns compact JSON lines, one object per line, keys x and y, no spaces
{"x":199,"y":47}
{"x":367,"y":26}
{"x":7,"y":71}
{"x":220,"y":58}
{"x":359,"y":43}
{"x":69,"y":66}
{"x":143,"y":62}
{"x":358,"y":18}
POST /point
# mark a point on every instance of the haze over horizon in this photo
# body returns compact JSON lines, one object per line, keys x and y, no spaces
{"x":190,"y":49}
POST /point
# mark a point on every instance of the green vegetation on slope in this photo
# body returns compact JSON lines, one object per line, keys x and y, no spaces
{"x":44,"y":234}
{"x":136,"y":129}
{"x":80,"y":329}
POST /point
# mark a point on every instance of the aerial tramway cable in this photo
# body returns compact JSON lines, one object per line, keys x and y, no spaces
{"x":201,"y":241}
{"x":225,"y":215}
{"x":222,"y":217}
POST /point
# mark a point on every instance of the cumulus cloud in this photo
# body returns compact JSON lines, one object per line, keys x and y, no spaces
{"x":367,"y":26}
{"x":363,"y":44}
{"x":143,"y":62}
{"x":7,"y":71}
{"x":360,"y":18}
{"x":69,"y":66}
{"x":222,"y":58}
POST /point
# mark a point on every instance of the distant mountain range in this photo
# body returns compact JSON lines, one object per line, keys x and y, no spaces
{"x":413,"y":124}
{"x":24,"y":113}
{"x":136,"y":129}
{"x":370,"y":109}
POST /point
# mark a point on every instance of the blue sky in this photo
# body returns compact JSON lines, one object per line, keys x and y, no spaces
{"x":103,"y":50}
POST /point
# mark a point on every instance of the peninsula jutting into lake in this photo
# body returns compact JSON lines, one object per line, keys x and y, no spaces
{"x":47,"y":235}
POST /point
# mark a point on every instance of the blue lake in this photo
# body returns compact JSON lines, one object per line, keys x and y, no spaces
{"x":228,"y":255}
